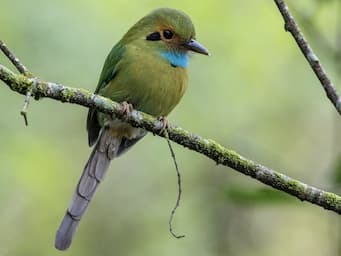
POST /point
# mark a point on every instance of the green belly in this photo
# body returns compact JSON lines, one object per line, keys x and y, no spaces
{"x":152,"y":85}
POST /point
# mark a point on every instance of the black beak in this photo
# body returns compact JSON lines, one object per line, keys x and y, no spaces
{"x":195,"y":46}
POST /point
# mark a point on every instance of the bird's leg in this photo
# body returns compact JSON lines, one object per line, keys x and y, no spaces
{"x":126,"y":109}
{"x":164,"y":124}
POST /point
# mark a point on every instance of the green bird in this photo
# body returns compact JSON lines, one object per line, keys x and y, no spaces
{"x":146,"y":69}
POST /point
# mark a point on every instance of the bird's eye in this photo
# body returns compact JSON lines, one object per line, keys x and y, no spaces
{"x":167,"y":34}
{"x":154,"y":36}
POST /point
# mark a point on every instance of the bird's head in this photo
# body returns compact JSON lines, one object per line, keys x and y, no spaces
{"x":169,"y":32}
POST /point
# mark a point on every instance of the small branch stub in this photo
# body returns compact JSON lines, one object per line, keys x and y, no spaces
{"x":31,"y":91}
{"x":23,"y":112}
{"x":24,"y":71}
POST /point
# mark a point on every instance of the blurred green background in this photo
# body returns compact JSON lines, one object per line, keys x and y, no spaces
{"x":255,"y":94}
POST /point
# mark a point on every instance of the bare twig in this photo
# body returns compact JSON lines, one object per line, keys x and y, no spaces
{"x":15,"y":61}
{"x":292,"y":27}
{"x":207,"y":147}
{"x":179,"y":188}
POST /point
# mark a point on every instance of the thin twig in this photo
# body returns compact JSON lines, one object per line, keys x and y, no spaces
{"x":292,"y":27}
{"x":179,"y":188}
{"x":15,"y":61}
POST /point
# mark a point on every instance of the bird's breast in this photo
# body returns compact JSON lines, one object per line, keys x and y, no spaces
{"x":148,"y":81}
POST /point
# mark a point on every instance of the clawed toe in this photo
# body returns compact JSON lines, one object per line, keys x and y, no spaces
{"x":164,"y":124}
{"x":126,"y":108}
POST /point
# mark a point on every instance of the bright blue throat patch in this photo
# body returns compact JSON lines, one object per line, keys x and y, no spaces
{"x":176,"y":59}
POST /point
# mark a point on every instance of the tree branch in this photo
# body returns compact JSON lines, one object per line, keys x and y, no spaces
{"x":292,"y":27}
{"x":207,"y":147}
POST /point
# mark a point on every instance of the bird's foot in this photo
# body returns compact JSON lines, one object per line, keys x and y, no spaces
{"x":164,"y":124}
{"x":126,"y":109}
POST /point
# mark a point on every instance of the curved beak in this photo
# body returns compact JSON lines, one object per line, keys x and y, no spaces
{"x":195,"y":46}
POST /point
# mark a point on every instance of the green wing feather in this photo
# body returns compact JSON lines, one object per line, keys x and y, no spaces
{"x":108,"y":73}
{"x":109,"y":68}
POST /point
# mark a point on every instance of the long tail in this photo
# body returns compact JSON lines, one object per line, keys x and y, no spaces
{"x":94,"y":171}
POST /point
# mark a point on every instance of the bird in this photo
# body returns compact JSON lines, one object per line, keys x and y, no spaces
{"x":146,"y":71}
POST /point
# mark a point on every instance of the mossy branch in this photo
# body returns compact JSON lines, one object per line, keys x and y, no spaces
{"x":207,"y":147}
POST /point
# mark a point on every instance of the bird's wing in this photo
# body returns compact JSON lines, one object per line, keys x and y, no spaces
{"x":108,"y":73}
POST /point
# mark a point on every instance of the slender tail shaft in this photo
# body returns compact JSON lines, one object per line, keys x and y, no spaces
{"x":93,"y":173}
